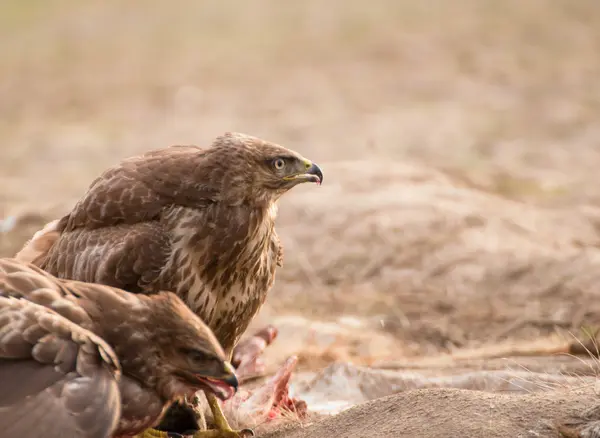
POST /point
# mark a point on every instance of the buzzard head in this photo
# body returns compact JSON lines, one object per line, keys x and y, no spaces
{"x":188,"y":356}
{"x":258,"y":171}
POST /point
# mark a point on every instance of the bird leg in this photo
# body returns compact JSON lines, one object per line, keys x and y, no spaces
{"x":154,"y":433}
{"x":223,"y":429}
{"x":246,"y":359}
{"x":214,"y":433}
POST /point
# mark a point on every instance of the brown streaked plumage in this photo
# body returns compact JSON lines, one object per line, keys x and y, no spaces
{"x":86,"y":360}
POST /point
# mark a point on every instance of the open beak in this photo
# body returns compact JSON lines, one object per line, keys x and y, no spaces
{"x":313,"y":174}
{"x":224,"y":386}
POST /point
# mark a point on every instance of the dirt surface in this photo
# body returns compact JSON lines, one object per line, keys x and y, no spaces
{"x":458,"y":227}
{"x":450,"y":412}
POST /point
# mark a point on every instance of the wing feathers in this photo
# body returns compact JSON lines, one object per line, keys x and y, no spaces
{"x":57,"y":379}
{"x":35,"y":250}
{"x":22,"y":280}
{"x":129,"y":257}
{"x":137,"y":189}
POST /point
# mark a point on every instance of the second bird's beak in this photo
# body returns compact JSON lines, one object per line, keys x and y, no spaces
{"x":224,"y":386}
{"x":230,"y":376}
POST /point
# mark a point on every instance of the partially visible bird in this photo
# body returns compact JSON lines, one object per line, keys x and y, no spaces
{"x":196,"y":221}
{"x":85,"y":360}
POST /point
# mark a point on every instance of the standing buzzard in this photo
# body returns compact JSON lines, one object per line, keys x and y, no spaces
{"x":195,"y":221}
{"x":80,"y":359}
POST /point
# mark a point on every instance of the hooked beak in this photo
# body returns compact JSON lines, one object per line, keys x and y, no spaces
{"x":313,"y":173}
{"x":224,"y":386}
{"x":316,"y":173}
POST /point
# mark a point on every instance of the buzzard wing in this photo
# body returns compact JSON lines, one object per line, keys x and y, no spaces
{"x":58,"y":380}
{"x":114,"y":234}
{"x":139,"y":188}
{"x":21,"y":280}
{"x":126,"y":256}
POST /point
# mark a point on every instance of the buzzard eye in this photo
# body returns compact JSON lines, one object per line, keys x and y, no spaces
{"x":279,"y":163}
{"x":196,"y":355}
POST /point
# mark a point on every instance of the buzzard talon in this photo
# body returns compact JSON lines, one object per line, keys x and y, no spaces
{"x":215,"y":433}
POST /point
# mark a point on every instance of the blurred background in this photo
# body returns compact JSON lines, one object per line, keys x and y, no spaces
{"x":459,"y":140}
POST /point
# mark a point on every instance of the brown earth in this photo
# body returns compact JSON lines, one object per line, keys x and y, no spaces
{"x":460,"y":214}
{"x":437,"y":413}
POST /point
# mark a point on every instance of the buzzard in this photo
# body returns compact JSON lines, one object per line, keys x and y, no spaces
{"x":196,"y":221}
{"x":85,"y":360}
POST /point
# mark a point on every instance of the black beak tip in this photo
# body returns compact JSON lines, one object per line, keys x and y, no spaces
{"x":316,"y":170}
{"x":233,"y":382}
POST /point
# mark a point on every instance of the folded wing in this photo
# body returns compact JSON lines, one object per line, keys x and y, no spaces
{"x":57,"y":379}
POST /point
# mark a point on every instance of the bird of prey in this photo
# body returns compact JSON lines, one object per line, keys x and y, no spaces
{"x":86,"y":360}
{"x":195,"y":221}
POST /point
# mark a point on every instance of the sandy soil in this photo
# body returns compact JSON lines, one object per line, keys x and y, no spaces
{"x":450,"y":412}
{"x":460,"y":214}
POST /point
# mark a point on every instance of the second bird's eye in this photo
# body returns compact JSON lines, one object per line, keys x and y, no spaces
{"x":279,"y":163}
{"x":196,"y":355}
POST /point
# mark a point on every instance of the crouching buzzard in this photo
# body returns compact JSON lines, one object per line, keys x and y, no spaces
{"x":84,"y":360}
{"x":195,"y":221}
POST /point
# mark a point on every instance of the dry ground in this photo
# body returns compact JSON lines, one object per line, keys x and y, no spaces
{"x":449,"y":413}
{"x":459,"y":142}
